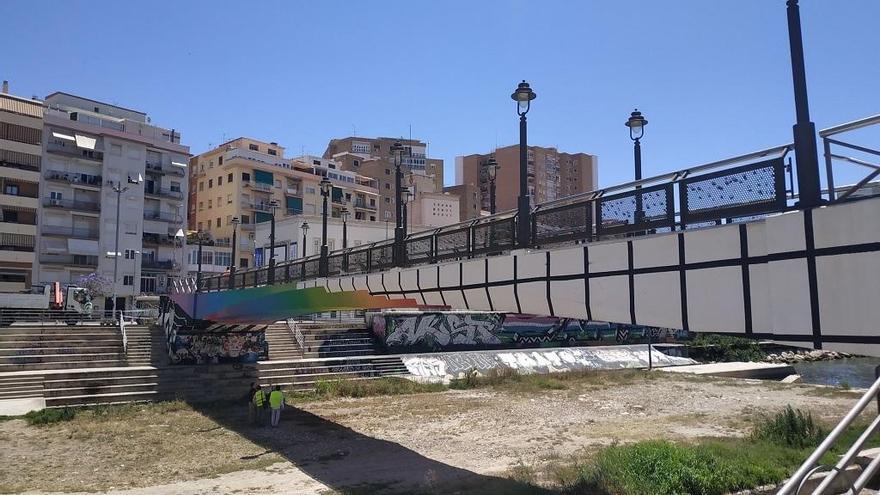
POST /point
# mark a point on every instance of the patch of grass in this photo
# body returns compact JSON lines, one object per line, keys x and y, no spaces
{"x":50,"y":416}
{"x":331,"y":389}
{"x":523,"y":473}
{"x":511,"y":380}
{"x":725,"y":348}
{"x":791,"y":427}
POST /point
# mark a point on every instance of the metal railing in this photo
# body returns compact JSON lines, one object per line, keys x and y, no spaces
{"x":71,"y":204}
{"x":74,"y":232}
{"x":123,"y":333}
{"x":162,"y":216}
{"x":70,"y":259}
{"x":74,"y":178}
{"x":811,"y":465}
{"x":164,"y":192}
{"x":830,"y":144}
{"x":297,"y":334}
{"x":157,"y":264}
{"x":726,"y":191}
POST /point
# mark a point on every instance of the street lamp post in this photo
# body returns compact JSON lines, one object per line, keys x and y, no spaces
{"x":233,"y":262}
{"x":523,"y":97}
{"x":636,"y":123}
{"x":492,"y":172}
{"x":323,"y":265}
{"x":809,"y":189}
{"x":305,"y":229}
{"x":407,"y":197}
{"x":397,"y":152}
{"x":270,"y":278}
{"x":118,"y":188}
{"x":344,"y":214}
{"x":200,"y":239}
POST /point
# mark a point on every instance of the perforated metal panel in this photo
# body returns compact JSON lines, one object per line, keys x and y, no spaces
{"x":358,"y":261}
{"x":418,"y":249}
{"x":381,"y":256}
{"x":311,"y":267}
{"x":452,"y":244}
{"x":334,"y":264}
{"x":617,"y":213}
{"x":563,"y":223}
{"x":494,"y":236}
{"x":740,"y":191}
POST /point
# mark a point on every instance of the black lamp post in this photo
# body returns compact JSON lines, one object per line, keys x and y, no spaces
{"x":397,"y":152}
{"x":344,"y":214}
{"x":323,"y":266}
{"x":809,"y":189}
{"x":492,"y":172}
{"x":270,"y":279}
{"x":636,"y":123}
{"x":200,"y":240}
{"x":232,"y":265}
{"x":407,"y":197}
{"x":523,"y":97}
{"x":305,"y":229}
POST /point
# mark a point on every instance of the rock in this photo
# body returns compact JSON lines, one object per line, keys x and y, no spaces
{"x":791,"y":379}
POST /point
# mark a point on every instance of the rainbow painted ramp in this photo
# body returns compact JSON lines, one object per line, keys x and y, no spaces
{"x":271,"y":303}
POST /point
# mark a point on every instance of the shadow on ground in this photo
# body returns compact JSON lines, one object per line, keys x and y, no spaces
{"x":353,"y":463}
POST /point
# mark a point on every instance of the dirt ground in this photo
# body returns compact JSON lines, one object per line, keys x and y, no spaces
{"x":443,"y":442}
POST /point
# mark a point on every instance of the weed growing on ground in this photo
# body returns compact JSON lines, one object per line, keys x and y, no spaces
{"x":791,"y":427}
{"x":725,"y":348}
{"x":50,"y":416}
{"x":331,"y":389}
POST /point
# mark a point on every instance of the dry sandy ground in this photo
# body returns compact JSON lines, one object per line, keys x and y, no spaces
{"x":427,"y":442}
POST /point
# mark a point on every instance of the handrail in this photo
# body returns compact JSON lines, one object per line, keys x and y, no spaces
{"x":124,"y":334}
{"x":809,"y":465}
{"x":850,"y":126}
{"x":297,"y":334}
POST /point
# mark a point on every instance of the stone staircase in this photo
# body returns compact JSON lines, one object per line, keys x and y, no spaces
{"x":29,"y":348}
{"x":282,"y":344}
{"x":303,"y":374}
{"x":336,"y":340}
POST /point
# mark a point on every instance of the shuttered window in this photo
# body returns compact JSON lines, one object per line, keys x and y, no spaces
{"x":20,"y":133}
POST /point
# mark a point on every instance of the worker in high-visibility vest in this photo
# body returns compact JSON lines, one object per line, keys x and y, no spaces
{"x":260,"y":404}
{"x":276,"y":402}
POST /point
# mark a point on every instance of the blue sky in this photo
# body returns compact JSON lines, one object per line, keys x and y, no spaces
{"x":713,"y":78}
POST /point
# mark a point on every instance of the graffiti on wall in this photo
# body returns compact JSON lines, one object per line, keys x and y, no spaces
{"x":200,"y":342}
{"x":480,"y":330}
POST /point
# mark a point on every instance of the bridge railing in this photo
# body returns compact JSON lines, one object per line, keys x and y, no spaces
{"x":725,"y":191}
{"x":856,"y":155}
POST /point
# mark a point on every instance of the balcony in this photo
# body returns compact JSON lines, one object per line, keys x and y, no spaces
{"x":247,"y":227}
{"x":158,"y":240}
{"x":71,"y":204}
{"x":362,"y":204}
{"x":75,"y":260}
{"x":293,"y":211}
{"x":259,"y":186}
{"x":263,"y":207}
{"x":69,"y":148}
{"x":153,"y":264}
{"x":159,"y":168}
{"x":74,"y":178}
{"x":164,"y":192}
{"x":162,"y":216}
{"x":72,"y":232}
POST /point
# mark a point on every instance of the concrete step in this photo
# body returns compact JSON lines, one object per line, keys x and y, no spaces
{"x":40,"y":351}
{"x":84,"y":382}
{"x":62,"y":365}
{"x":66,"y":357}
{"x":87,"y":399}
{"x":99,"y":390}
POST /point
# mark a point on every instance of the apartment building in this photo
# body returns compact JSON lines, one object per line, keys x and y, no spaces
{"x":469,"y":200}
{"x":109,"y":173}
{"x":21,"y":124}
{"x":372,"y":157}
{"x":552,"y":174}
{"x":242,"y":177}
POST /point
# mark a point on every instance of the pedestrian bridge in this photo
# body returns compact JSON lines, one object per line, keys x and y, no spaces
{"x":720,"y":248}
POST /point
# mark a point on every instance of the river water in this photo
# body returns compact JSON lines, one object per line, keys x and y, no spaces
{"x":854,"y":372}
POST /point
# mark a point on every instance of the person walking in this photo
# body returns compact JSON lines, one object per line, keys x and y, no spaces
{"x":252,"y":409}
{"x":260,"y":402}
{"x":276,"y":402}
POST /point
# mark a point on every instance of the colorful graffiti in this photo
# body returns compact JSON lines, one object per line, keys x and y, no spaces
{"x":201,"y":342}
{"x":271,"y":303}
{"x":435,"y":331}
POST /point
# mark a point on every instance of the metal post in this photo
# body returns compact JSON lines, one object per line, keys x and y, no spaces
{"x":829,"y":170}
{"x":492,"y":196}
{"x":198,"y":278}
{"x":637,"y":157}
{"x":650,"y":337}
{"x":304,"y":243}
{"x":809,"y":189}
{"x":524,"y":204}
{"x":323,"y":267}
{"x":398,"y":212}
{"x":270,"y":277}
{"x":118,"y":190}
{"x":344,"y":242}
{"x":233,"y":261}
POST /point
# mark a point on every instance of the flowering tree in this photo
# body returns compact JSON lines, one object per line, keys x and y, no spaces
{"x":96,"y":285}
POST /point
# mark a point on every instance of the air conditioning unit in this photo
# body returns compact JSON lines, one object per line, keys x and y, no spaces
{"x":55,"y":202}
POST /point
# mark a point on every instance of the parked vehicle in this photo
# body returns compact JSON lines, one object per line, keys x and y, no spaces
{"x":49,"y":302}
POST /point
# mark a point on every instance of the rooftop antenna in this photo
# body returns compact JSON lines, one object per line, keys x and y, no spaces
{"x":354,"y":131}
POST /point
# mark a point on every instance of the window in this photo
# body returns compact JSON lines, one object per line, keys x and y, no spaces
{"x":10,"y":216}
{"x":219,"y":200}
{"x":200,"y":226}
{"x":201,"y":186}
{"x":115,"y":149}
{"x":229,"y":199}
{"x":245,"y":219}
{"x":222,"y":259}
{"x":387,"y":201}
{"x":372,"y":201}
{"x":220,"y":180}
{"x":229,"y":178}
{"x":273,"y":152}
{"x":210,"y":183}
{"x":201,"y":206}
{"x":175,"y":186}
{"x":357,"y":163}
{"x":11,"y":189}
{"x":242,"y":263}
{"x":210,"y":203}
{"x":372,"y":218}
{"x":253,"y":147}
{"x":128,"y":280}
{"x":129,"y":254}
{"x":245,"y":177}
{"x":387,"y":171}
{"x":218,"y":222}
{"x":220,"y":160}
{"x":310,"y":190}
{"x":387,"y":185}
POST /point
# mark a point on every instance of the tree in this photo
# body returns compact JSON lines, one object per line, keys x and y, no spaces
{"x":95,"y":284}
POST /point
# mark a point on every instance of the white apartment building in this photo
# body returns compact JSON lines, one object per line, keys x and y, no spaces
{"x":108,"y":172}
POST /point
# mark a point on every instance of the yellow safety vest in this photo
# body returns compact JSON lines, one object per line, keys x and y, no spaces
{"x":259,"y":398}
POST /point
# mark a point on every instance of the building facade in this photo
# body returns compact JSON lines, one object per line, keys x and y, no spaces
{"x":552,"y":174}
{"x":21,"y":128}
{"x":113,"y":194}
{"x":241,"y":178}
{"x":372,"y":157}
{"x":469,"y":200}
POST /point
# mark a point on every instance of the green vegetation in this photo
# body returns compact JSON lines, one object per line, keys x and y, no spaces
{"x":791,"y":427}
{"x":725,"y":348}
{"x":331,"y":389}
{"x":50,"y":416}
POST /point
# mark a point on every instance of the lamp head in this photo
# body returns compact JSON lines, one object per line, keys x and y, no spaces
{"x":325,"y":186}
{"x":523,"y":97}
{"x":636,"y":123}
{"x":492,"y":168}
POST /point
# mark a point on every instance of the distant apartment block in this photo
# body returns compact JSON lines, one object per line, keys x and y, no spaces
{"x":88,"y":148}
{"x":21,"y":124}
{"x":241,"y":178}
{"x":552,"y":174}
{"x":372,"y":157}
